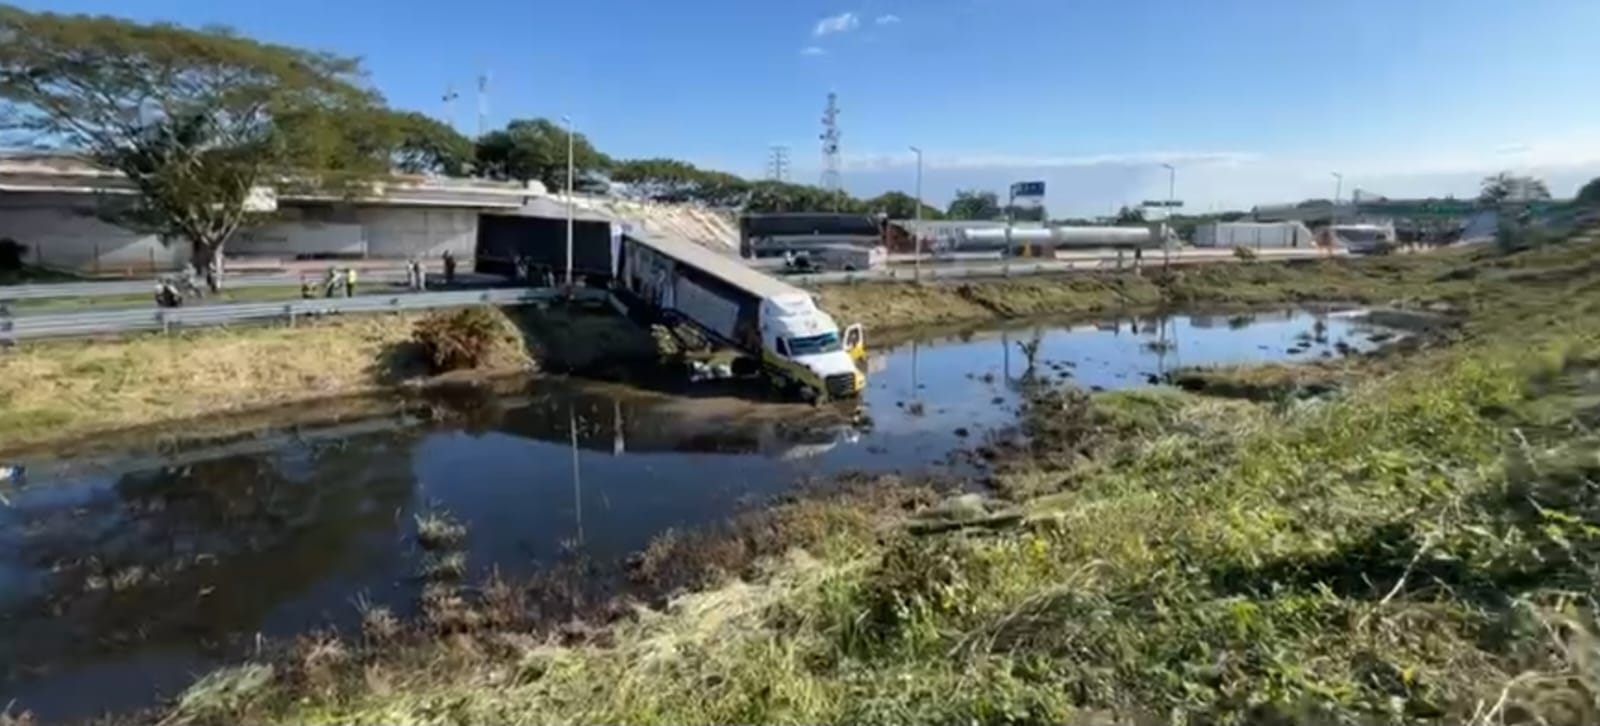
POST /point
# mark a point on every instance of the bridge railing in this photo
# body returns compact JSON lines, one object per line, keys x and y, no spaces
{"x":110,"y":322}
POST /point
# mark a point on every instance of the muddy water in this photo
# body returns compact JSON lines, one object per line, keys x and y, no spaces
{"x":121,"y":579}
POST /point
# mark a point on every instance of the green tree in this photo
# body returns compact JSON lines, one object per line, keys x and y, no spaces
{"x":670,"y":180}
{"x":421,"y":144}
{"x":769,"y":196}
{"x":194,"y":119}
{"x":1590,"y":193}
{"x":900,"y":205}
{"x":1130,"y":215}
{"x":973,"y":204}
{"x":1508,"y":187}
{"x":666,"y":180}
{"x":536,"y":150}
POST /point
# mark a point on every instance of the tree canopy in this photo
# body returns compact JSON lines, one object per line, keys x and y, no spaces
{"x":1590,"y":193}
{"x":195,"y":119}
{"x":1508,"y":187}
{"x":975,"y":205}
{"x":1130,"y":215}
{"x":424,"y":145}
{"x":900,"y":205}
{"x":536,"y":150}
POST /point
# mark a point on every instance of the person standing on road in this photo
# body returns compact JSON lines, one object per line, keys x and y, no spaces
{"x":449,"y":268}
{"x":349,"y":282}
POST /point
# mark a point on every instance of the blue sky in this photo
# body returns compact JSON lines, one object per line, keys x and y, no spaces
{"x":1254,"y":100}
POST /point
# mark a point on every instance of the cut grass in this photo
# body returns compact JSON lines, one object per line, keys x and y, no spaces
{"x":1420,"y":549}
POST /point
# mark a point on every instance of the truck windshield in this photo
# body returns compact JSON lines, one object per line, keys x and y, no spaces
{"x":825,"y":343}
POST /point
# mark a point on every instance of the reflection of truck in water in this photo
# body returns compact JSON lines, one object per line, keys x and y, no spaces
{"x":776,"y":325}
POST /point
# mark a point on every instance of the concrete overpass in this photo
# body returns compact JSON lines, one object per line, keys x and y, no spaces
{"x":56,"y":206}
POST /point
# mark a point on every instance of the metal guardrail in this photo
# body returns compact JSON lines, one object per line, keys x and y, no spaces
{"x":932,"y":272}
{"x":12,"y":293}
{"x":65,"y":325}
{"x":1038,"y":267}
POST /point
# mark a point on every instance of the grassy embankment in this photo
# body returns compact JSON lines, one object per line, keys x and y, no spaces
{"x":1421,"y":547}
{"x":892,"y":307}
{"x":59,"y":392}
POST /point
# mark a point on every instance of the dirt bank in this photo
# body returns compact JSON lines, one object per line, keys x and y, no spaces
{"x":57,"y":392}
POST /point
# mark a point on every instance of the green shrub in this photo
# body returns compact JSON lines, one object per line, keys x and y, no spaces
{"x":458,"y":339}
{"x":1244,"y":253}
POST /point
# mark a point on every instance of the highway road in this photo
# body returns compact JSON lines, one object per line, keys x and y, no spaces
{"x":902,"y":267}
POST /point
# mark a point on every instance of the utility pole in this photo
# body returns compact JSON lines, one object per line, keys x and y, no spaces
{"x":1333,"y":211}
{"x":568,"y":120}
{"x":916,"y":231}
{"x":1011,"y":210}
{"x":1166,"y":242}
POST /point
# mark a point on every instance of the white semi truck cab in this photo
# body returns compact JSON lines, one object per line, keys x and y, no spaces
{"x":803,"y":344}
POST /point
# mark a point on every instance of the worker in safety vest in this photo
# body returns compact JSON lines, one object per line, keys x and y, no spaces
{"x":349,"y":282}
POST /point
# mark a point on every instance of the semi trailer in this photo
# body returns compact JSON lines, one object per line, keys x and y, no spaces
{"x":778,"y":327}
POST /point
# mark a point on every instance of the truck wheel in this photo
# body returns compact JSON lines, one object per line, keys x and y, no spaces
{"x":745,"y":366}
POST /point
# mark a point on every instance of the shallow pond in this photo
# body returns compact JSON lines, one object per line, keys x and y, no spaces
{"x":121,"y":579}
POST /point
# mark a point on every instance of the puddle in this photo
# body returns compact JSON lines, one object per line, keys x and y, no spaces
{"x":126,"y":578}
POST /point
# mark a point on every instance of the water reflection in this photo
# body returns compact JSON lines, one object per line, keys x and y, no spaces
{"x":122,"y":578}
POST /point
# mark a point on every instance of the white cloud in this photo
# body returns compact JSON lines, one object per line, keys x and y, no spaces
{"x":841,"y":23}
{"x":889,"y":19}
{"x":813,"y":50}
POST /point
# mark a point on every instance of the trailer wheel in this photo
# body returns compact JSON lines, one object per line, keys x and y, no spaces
{"x":745,"y":366}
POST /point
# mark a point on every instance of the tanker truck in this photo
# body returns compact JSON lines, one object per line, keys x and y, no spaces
{"x":994,"y":238}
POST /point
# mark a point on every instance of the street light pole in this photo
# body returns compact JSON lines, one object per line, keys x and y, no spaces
{"x":568,"y":120}
{"x":916,"y":233}
{"x":1172,"y":189}
{"x":1333,"y":212}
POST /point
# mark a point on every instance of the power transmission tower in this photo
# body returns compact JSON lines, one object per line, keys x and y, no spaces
{"x":778,"y":163}
{"x":830,"y":144}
